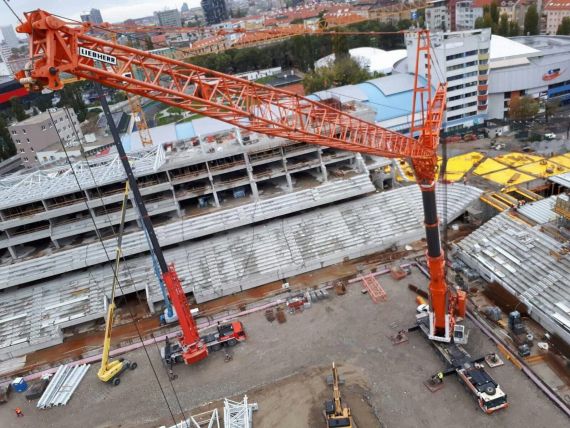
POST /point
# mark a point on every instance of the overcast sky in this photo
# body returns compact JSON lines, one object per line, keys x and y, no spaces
{"x":111,"y":10}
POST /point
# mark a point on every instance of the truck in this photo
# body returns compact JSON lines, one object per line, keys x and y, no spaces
{"x":224,"y":335}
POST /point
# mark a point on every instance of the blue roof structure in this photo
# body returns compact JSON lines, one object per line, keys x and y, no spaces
{"x":389,"y":96}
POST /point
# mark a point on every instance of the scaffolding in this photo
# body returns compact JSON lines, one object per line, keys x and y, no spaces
{"x":238,"y":414}
{"x":209,"y":419}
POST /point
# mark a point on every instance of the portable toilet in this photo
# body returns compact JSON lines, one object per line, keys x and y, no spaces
{"x":19,"y":384}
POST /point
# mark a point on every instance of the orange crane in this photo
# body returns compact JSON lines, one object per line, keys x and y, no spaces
{"x":58,"y":46}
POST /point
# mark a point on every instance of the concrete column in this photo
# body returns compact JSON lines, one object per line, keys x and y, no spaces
{"x":12,"y":252}
{"x":324,"y":171}
{"x":359,"y":163}
{"x":238,"y":134}
{"x":178,"y":210}
{"x":211,"y":177}
{"x":393,"y":172}
{"x":252,"y":182}
{"x":287,"y":175}
{"x":51,"y":234}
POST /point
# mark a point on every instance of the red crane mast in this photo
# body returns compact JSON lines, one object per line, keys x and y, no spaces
{"x":58,"y":46}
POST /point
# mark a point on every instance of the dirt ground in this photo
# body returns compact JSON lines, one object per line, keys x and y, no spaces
{"x":282,"y":367}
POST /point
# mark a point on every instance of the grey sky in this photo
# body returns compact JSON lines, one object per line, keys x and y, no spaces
{"x":111,"y":10}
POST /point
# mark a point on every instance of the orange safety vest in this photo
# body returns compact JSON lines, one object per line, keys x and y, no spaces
{"x":18,"y":411}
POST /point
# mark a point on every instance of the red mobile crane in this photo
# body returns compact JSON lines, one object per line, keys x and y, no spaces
{"x":58,"y":46}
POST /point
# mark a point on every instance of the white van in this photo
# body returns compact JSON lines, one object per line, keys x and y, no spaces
{"x":550,"y":136}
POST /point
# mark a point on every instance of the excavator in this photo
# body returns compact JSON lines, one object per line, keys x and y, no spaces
{"x":337,"y":415}
{"x":62,"y":46}
{"x":111,"y":371}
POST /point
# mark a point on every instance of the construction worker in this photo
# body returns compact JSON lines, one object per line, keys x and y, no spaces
{"x":19,"y":412}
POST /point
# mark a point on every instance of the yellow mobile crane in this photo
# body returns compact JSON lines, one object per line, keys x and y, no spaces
{"x":335,"y":414}
{"x":111,"y":371}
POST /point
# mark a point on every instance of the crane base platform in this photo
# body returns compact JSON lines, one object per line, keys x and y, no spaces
{"x":469,"y":370}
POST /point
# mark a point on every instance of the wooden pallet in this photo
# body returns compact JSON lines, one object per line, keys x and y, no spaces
{"x":375,"y":290}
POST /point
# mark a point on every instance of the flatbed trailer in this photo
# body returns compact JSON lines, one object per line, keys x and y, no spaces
{"x":469,"y":370}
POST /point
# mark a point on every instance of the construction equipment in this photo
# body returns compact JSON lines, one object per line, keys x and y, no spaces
{"x":111,"y":371}
{"x":337,"y":415}
{"x":58,"y":46}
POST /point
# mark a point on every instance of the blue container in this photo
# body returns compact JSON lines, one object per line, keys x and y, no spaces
{"x":19,"y":384}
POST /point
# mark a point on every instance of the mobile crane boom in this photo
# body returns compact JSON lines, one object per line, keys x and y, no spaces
{"x":58,"y":46}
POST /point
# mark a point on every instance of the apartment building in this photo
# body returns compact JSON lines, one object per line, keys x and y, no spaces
{"x":215,"y":11}
{"x":461,"y":59}
{"x":555,"y":11}
{"x":37,"y":133}
{"x":466,"y":13}
{"x":168,"y":18}
{"x":437,"y":16}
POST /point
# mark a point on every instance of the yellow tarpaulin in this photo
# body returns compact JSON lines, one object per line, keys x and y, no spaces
{"x":457,"y":166}
{"x":515,"y":160}
{"x":508,"y":177}
{"x":543,"y":168}
{"x":487,"y":166}
{"x":563,"y":160}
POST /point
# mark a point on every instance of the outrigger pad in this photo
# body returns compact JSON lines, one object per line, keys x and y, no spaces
{"x":433,"y":386}
{"x":400,"y":337}
{"x":493,"y":360}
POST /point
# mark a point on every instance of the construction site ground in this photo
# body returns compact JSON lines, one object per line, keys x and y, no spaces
{"x":283,"y":368}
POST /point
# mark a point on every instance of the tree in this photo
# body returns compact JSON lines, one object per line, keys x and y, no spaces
{"x":17,"y":108}
{"x":7,"y":148}
{"x":564,"y":27}
{"x":149,"y":44}
{"x":523,"y":108}
{"x":514,"y":29}
{"x":343,"y":72}
{"x":531,"y":21}
{"x":71,"y":96}
{"x":550,"y":108}
{"x":494,"y":12}
{"x":340,"y":47}
{"x":486,"y":21}
{"x":503,"y":28}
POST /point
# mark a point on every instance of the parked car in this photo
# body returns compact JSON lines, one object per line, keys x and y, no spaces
{"x":550,"y":136}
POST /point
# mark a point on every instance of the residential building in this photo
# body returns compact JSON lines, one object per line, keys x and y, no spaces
{"x":555,"y":11}
{"x":460,"y":59}
{"x":94,"y":16}
{"x":9,"y":36}
{"x":37,"y":133}
{"x":437,"y":16}
{"x":168,"y":18}
{"x":215,"y":11}
{"x":466,"y":13}
{"x":4,"y":67}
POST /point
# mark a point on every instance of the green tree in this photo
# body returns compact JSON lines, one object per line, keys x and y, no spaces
{"x":494,"y":11}
{"x":486,"y":21}
{"x":7,"y":148}
{"x":148,"y":43}
{"x":17,"y":109}
{"x":550,"y":108}
{"x":340,"y":47}
{"x":564,"y":27}
{"x":503,"y":28}
{"x":71,"y":96}
{"x":523,"y":108}
{"x":531,"y":21}
{"x":514,"y":29}
{"x":344,"y":72}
